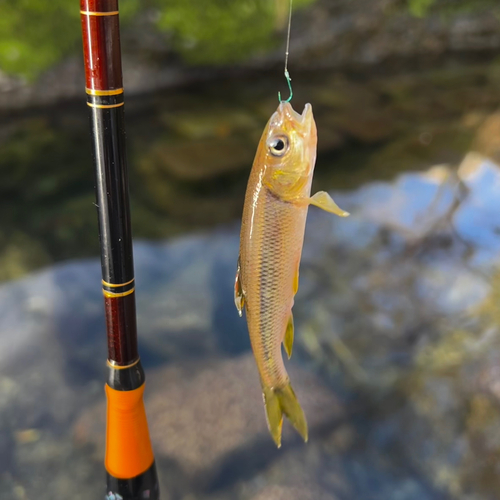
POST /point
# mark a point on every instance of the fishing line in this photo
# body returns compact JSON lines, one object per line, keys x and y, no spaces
{"x":287,"y":74}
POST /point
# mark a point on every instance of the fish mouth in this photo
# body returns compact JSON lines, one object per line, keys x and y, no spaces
{"x":307,"y":113}
{"x":286,"y":111}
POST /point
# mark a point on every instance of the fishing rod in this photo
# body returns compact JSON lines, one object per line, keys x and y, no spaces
{"x":129,"y":460}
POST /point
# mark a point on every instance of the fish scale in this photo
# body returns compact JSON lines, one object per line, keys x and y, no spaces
{"x":269,"y":296}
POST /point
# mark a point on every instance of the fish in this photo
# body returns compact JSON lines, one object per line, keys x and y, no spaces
{"x":271,"y":239}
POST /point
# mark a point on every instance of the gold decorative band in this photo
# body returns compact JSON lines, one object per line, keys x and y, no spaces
{"x":103,"y":92}
{"x":105,"y":106}
{"x":112,"y":295}
{"x":112,"y":364}
{"x":89,"y":13}
{"x":114,"y":285}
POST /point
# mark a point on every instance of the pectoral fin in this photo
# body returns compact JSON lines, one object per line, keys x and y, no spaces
{"x":239,"y":298}
{"x":288,"y":340}
{"x":324,"y":201}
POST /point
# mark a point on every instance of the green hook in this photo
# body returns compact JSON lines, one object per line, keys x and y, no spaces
{"x":288,"y":80}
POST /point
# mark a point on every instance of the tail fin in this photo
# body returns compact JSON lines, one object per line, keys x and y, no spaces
{"x":283,"y":401}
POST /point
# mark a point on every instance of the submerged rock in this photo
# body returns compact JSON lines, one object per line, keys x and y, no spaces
{"x":299,"y":492}
{"x":394,"y":307}
{"x":487,"y":139}
{"x":396,"y":359}
{"x":201,"y":429}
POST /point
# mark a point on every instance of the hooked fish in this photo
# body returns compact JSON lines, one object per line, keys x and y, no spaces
{"x":271,"y":240}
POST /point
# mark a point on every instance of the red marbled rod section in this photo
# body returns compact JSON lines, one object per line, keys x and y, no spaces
{"x":121,"y":324}
{"x":101,"y":45}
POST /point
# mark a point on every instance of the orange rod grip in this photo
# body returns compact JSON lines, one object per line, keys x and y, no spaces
{"x":128,"y":447}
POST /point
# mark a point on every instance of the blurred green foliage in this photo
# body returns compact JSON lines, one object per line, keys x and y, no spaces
{"x":419,"y":7}
{"x":220,"y":31}
{"x":36,"y":34}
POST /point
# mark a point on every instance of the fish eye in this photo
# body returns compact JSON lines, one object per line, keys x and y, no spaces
{"x":278,"y":145}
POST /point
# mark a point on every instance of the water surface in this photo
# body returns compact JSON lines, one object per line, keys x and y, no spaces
{"x":397,"y":327}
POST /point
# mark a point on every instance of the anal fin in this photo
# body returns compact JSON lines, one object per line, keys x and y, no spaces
{"x":296,"y":281}
{"x":288,"y":339}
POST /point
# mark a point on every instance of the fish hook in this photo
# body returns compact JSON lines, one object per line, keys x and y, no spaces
{"x":287,"y":51}
{"x":289,"y":81}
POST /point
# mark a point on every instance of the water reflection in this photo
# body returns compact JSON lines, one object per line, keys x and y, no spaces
{"x":190,"y":150}
{"x":396,"y":362}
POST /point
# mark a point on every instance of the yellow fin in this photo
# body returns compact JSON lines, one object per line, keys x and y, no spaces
{"x":324,"y":201}
{"x":296,"y":282}
{"x":288,"y":340}
{"x":274,"y":414}
{"x":279,"y":402}
{"x":239,"y":298}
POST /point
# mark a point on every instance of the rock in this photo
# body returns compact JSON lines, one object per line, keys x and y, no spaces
{"x":198,"y":428}
{"x":487,"y":140}
{"x":395,"y":362}
{"x":475,"y":219}
{"x":211,"y":122}
{"x":413,"y":325}
{"x":20,"y":254}
{"x":367,"y":127}
{"x":302,"y":492}
{"x":200,"y":160}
